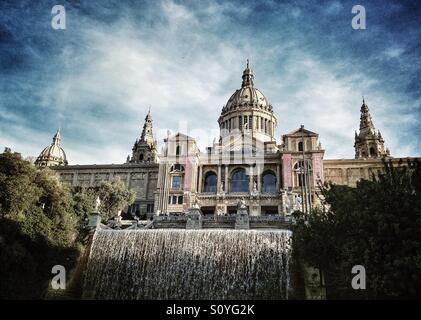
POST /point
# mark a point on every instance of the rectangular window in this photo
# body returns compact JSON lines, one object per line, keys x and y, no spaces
{"x":180,"y":199}
{"x":176,"y":182}
{"x":250,"y":122}
{"x":149,"y":208}
{"x":240,"y":123}
{"x":169,"y":200}
{"x":174,"y":199}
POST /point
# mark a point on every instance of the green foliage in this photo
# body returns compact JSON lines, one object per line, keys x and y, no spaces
{"x":114,"y":197}
{"x":17,"y":192}
{"x":377,"y":225}
{"x":38,"y":227}
{"x":84,"y":202}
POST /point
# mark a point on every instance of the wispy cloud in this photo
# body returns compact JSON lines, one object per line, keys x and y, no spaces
{"x":97,"y":79}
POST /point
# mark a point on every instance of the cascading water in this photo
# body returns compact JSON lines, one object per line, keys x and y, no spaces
{"x":189,"y":264}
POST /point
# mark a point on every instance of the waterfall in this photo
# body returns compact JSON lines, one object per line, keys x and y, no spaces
{"x":189,"y":264}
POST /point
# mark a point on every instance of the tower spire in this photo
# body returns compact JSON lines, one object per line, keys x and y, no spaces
{"x":147,"y":134}
{"x":368,"y":144}
{"x":366,"y":123}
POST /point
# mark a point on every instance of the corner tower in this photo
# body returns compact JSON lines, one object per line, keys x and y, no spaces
{"x":368,"y":143}
{"x":144,"y":149}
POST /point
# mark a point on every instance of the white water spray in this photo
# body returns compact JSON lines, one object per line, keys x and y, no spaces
{"x":189,"y":264}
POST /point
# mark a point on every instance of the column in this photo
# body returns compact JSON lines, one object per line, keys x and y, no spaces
{"x":259,"y":181}
{"x":146,"y":185}
{"x":128,"y":180}
{"x":278,"y":178}
{"x":160,"y":194}
{"x":75,"y":179}
{"x":251,"y":179}
{"x":218,"y":182}
{"x":226,"y":179}
{"x":166,"y":188}
{"x":200,"y":179}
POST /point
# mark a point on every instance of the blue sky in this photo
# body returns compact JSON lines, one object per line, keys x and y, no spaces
{"x":97,"y":79}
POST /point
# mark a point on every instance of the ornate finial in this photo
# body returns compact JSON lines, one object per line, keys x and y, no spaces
{"x":247,"y":63}
{"x":363,"y":100}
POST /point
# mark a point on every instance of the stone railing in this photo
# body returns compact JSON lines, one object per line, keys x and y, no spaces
{"x":207,"y":222}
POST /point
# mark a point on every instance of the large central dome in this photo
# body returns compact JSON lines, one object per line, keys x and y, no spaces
{"x":248,"y":110}
{"x":52,"y":155}
{"x":247,"y":95}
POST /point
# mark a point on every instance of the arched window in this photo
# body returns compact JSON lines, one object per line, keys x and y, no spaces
{"x":373,"y":152}
{"x":299,"y":177}
{"x":210,"y":182}
{"x":268,"y":182}
{"x":300,"y":146}
{"x":239,"y":181}
{"x":141,"y":157}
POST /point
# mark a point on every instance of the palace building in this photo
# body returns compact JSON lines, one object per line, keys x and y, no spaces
{"x":246,"y":163}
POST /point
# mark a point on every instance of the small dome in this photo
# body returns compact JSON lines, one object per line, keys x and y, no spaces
{"x":52,"y":155}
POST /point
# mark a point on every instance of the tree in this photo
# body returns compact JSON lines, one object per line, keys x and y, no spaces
{"x":84,"y":201}
{"x":114,"y":197}
{"x":38,"y":227}
{"x":17,"y":192}
{"x":376,"y":225}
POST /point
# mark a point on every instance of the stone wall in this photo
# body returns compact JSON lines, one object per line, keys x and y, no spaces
{"x":349,"y":171}
{"x":141,"y":178}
